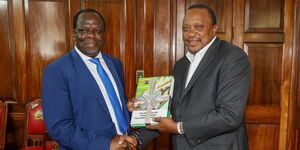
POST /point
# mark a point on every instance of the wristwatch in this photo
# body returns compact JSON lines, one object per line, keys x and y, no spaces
{"x":138,"y":139}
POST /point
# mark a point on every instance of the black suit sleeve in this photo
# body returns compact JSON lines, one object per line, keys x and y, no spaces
{"x":146,"y":136}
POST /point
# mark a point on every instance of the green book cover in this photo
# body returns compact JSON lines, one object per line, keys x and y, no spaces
{"x":153,"y":95}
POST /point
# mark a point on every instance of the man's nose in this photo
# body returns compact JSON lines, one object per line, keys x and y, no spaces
{"x":90,"y":34}
{"x":192,"y":32}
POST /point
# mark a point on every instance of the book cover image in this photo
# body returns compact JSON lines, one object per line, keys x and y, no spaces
{"x":153,"y":96}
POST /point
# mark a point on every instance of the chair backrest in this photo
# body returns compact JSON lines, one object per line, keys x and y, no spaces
{"x":35,"y":125}
{"x":3,"y":120}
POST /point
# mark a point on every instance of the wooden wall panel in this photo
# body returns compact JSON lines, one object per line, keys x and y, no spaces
{"x":154,"y":54}
{"x":149,"y":40}
{"x":287,"y":86}
{"x":263,"y":137}
{"x":19,"y":49}
{"x":264,"y":15}
{"x":127,"y":47}
{"x":263,"y":114}
{"x":294,"y":130}
{"x":15,"y":127}
{"x":146,"y":35}
{"x":162,"y":37}
{"x":6,"y":60}
{"x":47,"y":40}
{"x":263,"y":41}
{"x":266,"y":62}
{"x":296,"y":144}
{"x":16,"y":117}
{"x":140,"y":28}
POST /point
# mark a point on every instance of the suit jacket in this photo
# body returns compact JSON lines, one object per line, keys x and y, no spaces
{"x":74,"y":109}
{"x":212,"y":105}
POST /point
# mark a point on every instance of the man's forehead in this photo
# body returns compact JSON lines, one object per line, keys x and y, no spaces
{"x":196,"y":14}
{"x":90,"y":17}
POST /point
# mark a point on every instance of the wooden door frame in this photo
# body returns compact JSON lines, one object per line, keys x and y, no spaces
{"x":289,"y":82}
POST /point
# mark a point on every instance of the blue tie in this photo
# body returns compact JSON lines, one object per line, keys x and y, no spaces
{"x":121,"y":119}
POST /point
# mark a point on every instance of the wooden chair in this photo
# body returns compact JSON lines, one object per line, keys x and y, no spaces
{"x":36,"y":137}
{"x":34,"y":126}
{"x":3,"y":120}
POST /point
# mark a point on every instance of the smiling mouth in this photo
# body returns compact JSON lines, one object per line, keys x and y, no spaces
{"x":193,"y":42}
{"x":90,"y":44}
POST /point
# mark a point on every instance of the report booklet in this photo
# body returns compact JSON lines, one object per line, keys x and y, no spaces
{"x":153,"y":96}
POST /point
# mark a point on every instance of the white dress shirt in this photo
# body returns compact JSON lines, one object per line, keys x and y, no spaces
{"x":195,"y":60}
{"x":93,"y":69}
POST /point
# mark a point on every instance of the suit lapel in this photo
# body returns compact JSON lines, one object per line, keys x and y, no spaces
{"x":86,"y":75}
{"x":182,"y":78}
{"x":208,"y":57}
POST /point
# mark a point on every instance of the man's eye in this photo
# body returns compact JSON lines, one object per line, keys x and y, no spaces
{"x":186,"y":29}
{"x":198,"y":27}
{"x":83,"y":30}
{"x":98,"y":31}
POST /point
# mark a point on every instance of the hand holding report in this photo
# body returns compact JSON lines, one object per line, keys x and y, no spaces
{"x":153,"y":96}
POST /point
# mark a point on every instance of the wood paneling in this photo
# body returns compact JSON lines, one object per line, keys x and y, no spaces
{"x":145,"y":31}
{"x":127,"y":47}
{"x":47,"y":40}
{"x":6,"y":60}
{"x":265,"y":44}
{"x":263,"y":114}
{"x":19,"y":49}
{"x":295,"y":136}
{"x":266,"y":62}
{"x":263,"y":136}
{"x":294,"y":129}
{"x":238,"y":23}
{"x":140,"y":33}
{"x":264,"y":38}
{"x":263,"y":16}
{"x":287,"y":86}
{"x":296,"y":144}
{"x":15,"y":127}
{"x":178,"y":9}
{"x":146,"y":35}
{"x":162,"y":37}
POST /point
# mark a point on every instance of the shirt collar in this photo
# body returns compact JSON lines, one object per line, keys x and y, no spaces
{"x":86,"y":58}
{"x":201,"y":52}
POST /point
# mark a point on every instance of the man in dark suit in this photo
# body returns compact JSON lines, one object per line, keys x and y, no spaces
{"x":210,"y":92}
{"x":83,"y":97}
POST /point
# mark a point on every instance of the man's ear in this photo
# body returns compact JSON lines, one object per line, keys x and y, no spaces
{"x":215,"y":28}
{"x":74,"y":35}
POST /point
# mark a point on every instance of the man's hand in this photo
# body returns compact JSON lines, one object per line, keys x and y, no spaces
{"x":165,"y":125}
{"x":130,"y":140}
{"x":130,"y":104}
{"x":118,"y":143}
